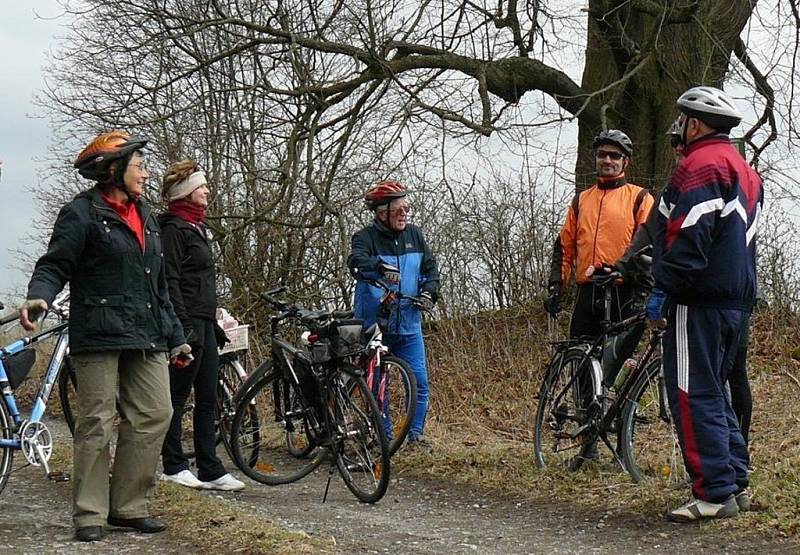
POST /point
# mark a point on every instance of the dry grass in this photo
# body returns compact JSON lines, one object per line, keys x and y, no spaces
{"x":485,"y":374}
{"x":205,"y":523}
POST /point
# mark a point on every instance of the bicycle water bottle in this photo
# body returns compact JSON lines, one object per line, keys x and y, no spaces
{"x":627,"y":366}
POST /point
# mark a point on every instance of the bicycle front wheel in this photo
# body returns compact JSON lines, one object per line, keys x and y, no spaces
{"x":263,"y":416}
{"x":395,"y":390}
{"x":563,"y":411}
{"x":648,"y":441}
{"x":361,"y":446}
{"x":68,"y":393}
{"x":6,"y":453}
{"x":228,"y":381}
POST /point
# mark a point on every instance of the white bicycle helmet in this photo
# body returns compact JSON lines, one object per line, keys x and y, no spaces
{"x":710,"y":105}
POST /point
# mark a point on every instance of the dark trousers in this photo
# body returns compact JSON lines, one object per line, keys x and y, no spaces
{"x":699,"y":346}
{"x":741,"y":397}
{"x":589,"y":311}
{"x":202,"y":375}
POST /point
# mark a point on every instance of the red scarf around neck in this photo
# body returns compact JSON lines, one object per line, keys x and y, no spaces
{"x":187,"y":210}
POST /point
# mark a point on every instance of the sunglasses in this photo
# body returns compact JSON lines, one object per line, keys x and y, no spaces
{"x":602,"y":154}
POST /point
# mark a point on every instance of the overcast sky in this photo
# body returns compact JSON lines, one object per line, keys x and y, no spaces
{"x":27,"y":31}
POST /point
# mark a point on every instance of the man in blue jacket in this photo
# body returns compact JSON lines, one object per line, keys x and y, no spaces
{"x":392,"y":250}
{"x":705,"y":262}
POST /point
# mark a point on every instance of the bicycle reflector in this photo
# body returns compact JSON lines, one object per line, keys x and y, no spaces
{"x":313,"y":338}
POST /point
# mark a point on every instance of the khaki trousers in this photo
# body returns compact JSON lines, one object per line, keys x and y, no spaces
{"x":142,"y":380}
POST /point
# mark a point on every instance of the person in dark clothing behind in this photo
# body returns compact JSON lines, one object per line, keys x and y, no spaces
{"x":395,"y":251}
{"x":191,"y":277}
{"x":106,"y":243}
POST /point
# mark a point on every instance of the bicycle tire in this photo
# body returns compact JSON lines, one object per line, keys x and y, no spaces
{"x":187,"y":426}
{"x":400,"y":398}
{"x":228,"y":382}
{"x":362,"y":451}
{"x":273,"y":464}
{"x":300,"y":443}
{"x":648,"y":442}
{"x":7,"y":456}
{"x":561,"y":412}
{"x":67,"y":393}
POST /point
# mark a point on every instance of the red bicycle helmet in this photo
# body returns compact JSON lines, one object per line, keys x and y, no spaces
{"x":94,"y":160}
{"x":384,"y":193}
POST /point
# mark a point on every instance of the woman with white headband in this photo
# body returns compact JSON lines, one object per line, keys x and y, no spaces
{"x":191,"y":278}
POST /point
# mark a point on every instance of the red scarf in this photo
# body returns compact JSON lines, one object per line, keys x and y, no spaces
{"x":129,"y":214}
{"x":188,"y":210}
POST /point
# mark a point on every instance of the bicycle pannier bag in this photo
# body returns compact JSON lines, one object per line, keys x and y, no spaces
{"x":346,"y":338}
{"x":18,"y":366}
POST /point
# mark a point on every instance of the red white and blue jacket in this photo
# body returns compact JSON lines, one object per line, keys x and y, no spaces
{"x":705,"y":245}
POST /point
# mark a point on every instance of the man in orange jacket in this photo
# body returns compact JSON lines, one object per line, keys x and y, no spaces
{"x":600,"y":224}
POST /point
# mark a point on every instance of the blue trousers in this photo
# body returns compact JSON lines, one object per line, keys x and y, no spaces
{"x":699,"y":347}
{"x":411,"y":348}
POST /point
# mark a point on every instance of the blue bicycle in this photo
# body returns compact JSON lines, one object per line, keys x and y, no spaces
{"x":29,"y":435}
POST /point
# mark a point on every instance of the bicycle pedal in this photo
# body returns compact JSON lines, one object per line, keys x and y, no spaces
{"x":58,"y":476}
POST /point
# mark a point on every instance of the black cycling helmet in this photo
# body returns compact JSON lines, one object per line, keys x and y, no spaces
{"x":711,"y":106}
{"x":614,"y":137}
{"x":93,"y":162}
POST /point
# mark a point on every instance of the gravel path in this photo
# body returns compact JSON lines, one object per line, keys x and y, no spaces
{"x":425,"y":517}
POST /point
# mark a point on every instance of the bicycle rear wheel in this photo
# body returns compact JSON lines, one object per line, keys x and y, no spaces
{"x":362,"y":452}
{"x":562,"y":411}
{"x":6,"y":453}
{"x":259,"y":443}
{"x":68,"y":393}
{"x":648,"y":441}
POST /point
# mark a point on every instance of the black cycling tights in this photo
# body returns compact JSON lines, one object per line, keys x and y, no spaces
{"x":741,"y":398}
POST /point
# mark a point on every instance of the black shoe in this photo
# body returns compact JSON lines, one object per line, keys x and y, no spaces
{"x":147,"y":524}
{"x":89,"y":534}
{"x":588,"y":453}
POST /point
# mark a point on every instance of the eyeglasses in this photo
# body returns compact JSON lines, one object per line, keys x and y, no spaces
{"x":141,"y":165}
{"x":602,"y":154}
{"x":405,"y":209}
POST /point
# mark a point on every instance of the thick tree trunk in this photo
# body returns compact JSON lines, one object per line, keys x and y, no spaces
{"x":680,"y":55}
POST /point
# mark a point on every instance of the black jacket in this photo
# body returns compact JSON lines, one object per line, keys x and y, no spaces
{"x":191,"y":275}
{"x":118,"y":294}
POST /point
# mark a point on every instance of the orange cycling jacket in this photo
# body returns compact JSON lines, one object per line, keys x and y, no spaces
{"x":600,"y":224}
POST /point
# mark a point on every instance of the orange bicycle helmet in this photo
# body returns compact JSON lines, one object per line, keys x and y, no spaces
{"x":384,"y":193}
{"x":94,"y":160}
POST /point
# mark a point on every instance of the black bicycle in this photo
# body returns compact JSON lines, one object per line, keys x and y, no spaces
{"x":307,"y":392}
{"x":576,"y":407}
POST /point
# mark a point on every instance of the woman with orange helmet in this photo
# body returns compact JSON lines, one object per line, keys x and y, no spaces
{"x":106,"y":243}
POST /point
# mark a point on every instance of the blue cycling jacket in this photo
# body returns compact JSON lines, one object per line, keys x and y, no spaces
{"x":419,"y":272}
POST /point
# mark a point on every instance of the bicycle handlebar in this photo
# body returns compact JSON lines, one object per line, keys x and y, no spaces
{"x":10,"y":318}
{"x":304,"y":315}
{"x":387,"y":289}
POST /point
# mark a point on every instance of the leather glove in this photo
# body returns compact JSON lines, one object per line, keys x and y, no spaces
{"x":220,"y":335}
{"x":552,"y":304}
{"x":30,"y":311}
{"x":425,"y":302}
{"x":391,"y":274}
{"x":654,"y":305}
{"x":181,"y":356}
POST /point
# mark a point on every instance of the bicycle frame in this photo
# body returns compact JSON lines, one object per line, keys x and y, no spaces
{"x":40,"y":403}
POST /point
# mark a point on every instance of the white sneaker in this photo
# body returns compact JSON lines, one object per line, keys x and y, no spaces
{"x":225,"y":482}
{"x":697,"y":509}
{"x":184,"y":478}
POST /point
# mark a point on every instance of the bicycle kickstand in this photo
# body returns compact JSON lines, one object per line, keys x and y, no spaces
{"x":613,"y":451}
{"x":328,"y":485}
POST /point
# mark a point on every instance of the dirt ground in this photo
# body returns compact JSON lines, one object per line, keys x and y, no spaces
{"x":416,"y":516}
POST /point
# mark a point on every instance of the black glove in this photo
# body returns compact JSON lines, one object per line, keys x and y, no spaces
{"x":221,"y":336}
{"x":552,"y":304}
{"x":425,"y":302}
{"x":391,"y":274}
